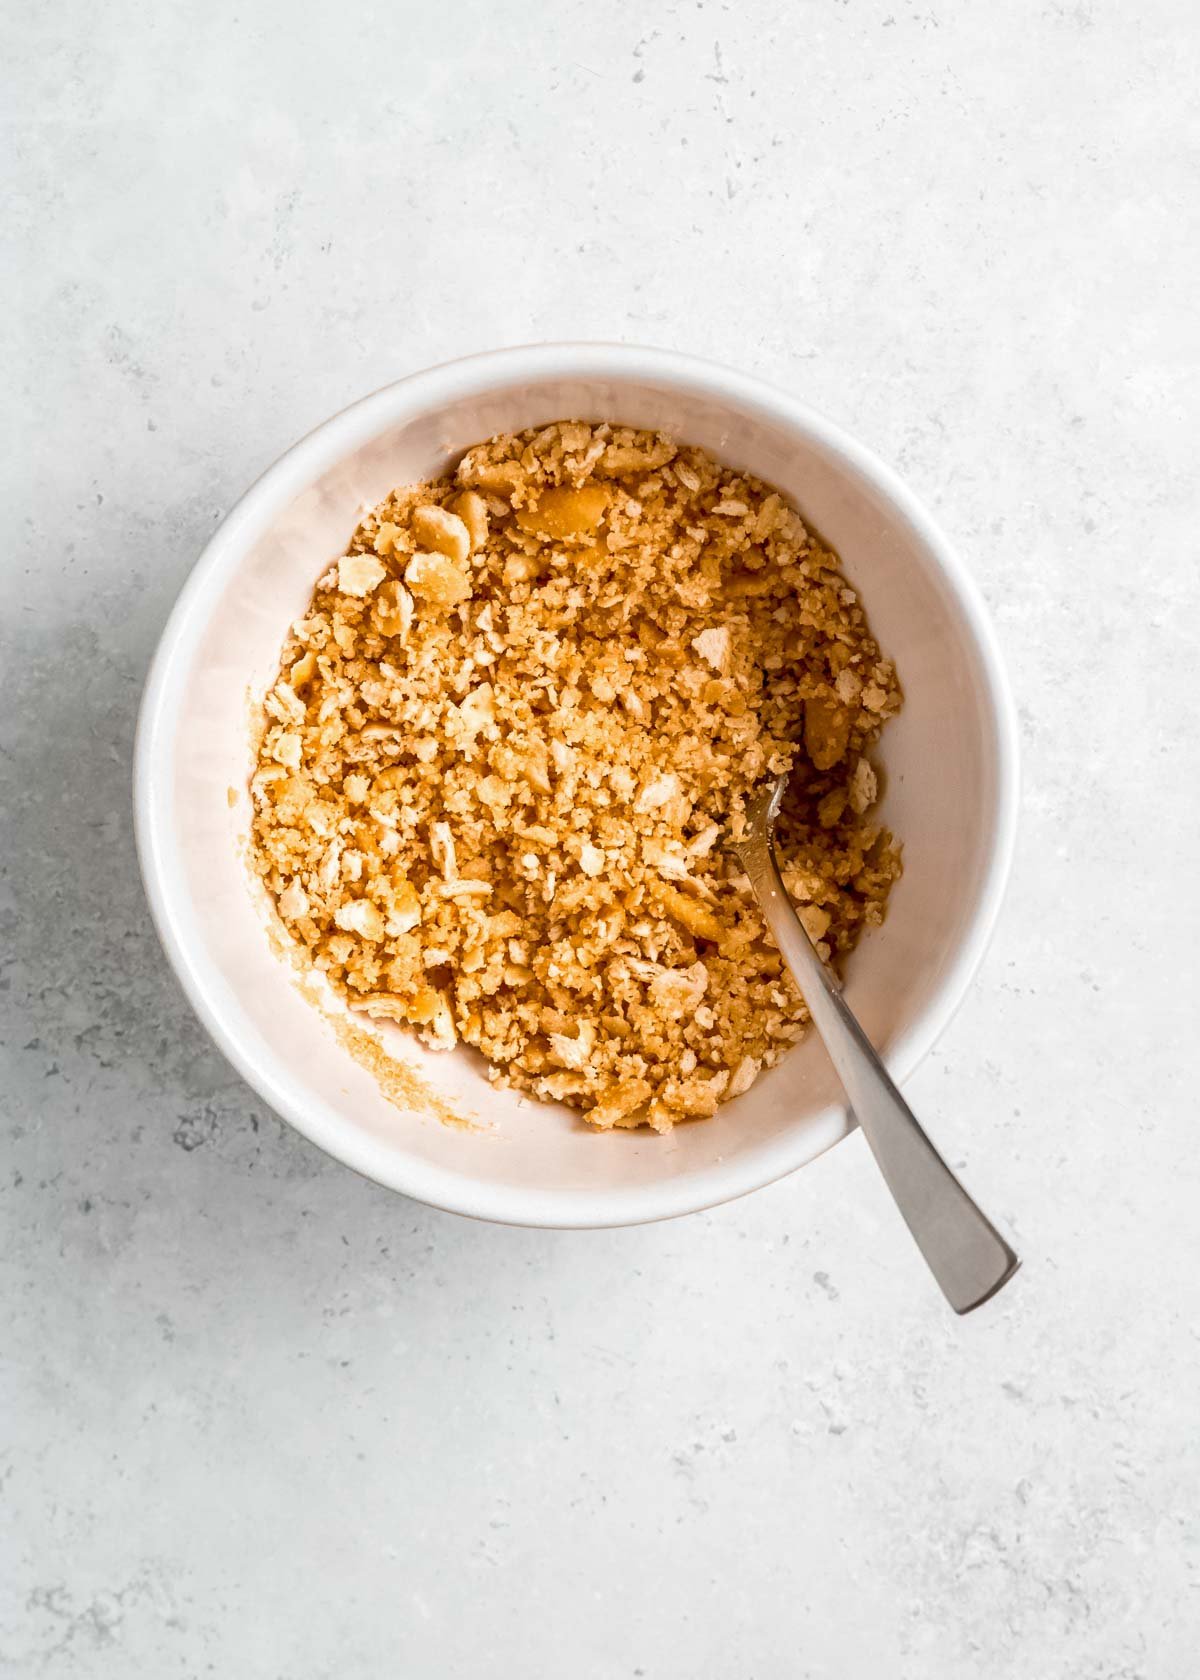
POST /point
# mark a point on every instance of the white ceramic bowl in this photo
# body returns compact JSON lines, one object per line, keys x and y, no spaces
{"x":950,"y":761}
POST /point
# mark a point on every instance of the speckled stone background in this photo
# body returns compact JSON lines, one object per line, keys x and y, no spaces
{"x":264,"y":1420}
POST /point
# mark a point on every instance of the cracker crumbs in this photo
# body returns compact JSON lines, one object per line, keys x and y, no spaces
{"x":505,"y":745}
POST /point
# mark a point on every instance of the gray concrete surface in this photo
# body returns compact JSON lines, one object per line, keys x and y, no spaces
{"x":264,"y":1420}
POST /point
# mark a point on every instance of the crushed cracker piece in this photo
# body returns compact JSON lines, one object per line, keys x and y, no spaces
{"x":864,"y":787}
{"x":500,"y":478}
{"x":743,"y":1076}
{"x":564,"y":512}
{"x":360,"y":916}
{"x":816,"y":921}
{"x":392,"y":609}
{"x":286,"y":750}
{"x":659,"y":791}
{"x":437,"y":580}
{"x":591,"y":859}
{"x":358,"y":574}
{"x":443,"y":851}
{"x":293,"y":902}
{"x":472,"y":510}
{"x":444,"y":532}
{"x":713,"y":646}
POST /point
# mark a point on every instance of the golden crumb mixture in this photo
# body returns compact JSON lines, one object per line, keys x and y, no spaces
{"x":507,"y":740}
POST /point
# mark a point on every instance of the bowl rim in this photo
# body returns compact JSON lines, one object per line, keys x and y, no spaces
{"x":251,"y":515}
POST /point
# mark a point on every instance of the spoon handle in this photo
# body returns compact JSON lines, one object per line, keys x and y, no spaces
{"x":966,"y":1254}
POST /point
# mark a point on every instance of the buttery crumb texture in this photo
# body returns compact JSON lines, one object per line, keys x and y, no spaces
{"x":511,"y":734}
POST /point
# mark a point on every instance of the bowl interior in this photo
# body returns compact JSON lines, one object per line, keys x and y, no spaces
{"x":533,"y":1162}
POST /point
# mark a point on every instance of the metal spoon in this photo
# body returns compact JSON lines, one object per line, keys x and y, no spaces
{"x":966,"y":1254}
